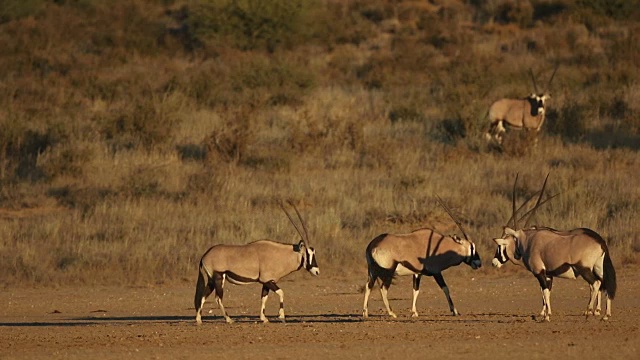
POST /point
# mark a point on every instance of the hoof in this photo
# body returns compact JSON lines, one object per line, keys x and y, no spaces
{"x":414,"y":314}
{"x":541,"y":319}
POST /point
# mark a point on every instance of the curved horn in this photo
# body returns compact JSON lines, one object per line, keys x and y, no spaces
{"x":533,"y":79}
{"x":304,"y":240}
{"x":446,"y":208}
{"x":551,"y":78}
{"x":535,"y":207}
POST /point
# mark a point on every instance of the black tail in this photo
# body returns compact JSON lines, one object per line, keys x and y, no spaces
{"x":375,"y":270}
{"x":609,"y":276}
{"x":200,"y":286}
{"x":609,"y":272}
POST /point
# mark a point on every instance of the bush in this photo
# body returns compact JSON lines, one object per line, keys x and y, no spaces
{"x":16,"y":9}
{"x":21,"y":148}
{"x":406,"y":113}
{"x":250,"y":24}
{"x":229,"y":142}
{"x":616,"y":9}
{"x":147,"y":123}
{"x":570,"y":122}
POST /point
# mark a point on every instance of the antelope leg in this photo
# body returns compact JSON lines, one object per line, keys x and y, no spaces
{"x":440,"y":280}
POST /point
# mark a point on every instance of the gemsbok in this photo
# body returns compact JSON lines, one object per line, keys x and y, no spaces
{"x":262,"y":261}
{"x":550,"y":253}
{"x":527,"y":113}
{"x":421,"y":252}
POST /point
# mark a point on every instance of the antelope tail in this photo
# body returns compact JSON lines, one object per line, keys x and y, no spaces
{"x":200,"y":286}
{"x":375,"y":270}
{"x":609,"y":276}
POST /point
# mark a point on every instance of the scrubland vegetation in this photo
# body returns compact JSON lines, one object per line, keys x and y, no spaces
{"x":135,"y":134}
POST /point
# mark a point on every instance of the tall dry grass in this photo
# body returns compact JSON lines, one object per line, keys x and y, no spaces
{"x":129,"y":145}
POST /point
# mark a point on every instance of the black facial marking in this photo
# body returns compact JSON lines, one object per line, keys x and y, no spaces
{"x":501,"y":254}
{"x":311,"y":260}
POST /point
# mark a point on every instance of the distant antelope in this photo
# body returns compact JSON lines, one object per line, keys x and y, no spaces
{"x":262,"y":261}
{"x":421,"y":252}
{"x":527,"y":113}
{"x":550,"y":253}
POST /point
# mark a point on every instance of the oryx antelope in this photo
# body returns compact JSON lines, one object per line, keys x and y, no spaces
{"x":421,"y":252}
{"x":262,"y":261}
{"x":527,"y":113}
{"x":549,"y":253}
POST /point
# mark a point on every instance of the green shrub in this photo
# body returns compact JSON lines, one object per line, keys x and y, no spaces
{"x":517,"y":12}
{"x":616,"y":9}
{"x":250,"y":24}
{"x":569,"y":122}
{"x":21,"y":148}
{"x":16,"y":9}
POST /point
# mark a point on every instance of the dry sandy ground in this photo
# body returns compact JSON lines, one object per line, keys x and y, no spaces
{"x":323,"y":321}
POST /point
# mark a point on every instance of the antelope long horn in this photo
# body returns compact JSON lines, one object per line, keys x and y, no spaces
{"x":513,"y":203}
{"x":535,"y":207}
{"x":542,"y":203}
{"x":292,"y":222}
{"x":304,"y":224}
{"x":552,"y":75}
{"x":526,"y":201}
{"x":446,"y":208}
{"x":533,"y":79}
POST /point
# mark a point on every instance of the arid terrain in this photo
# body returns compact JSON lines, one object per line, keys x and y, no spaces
{"x":136,"y":134}
{"x":323,"y":321}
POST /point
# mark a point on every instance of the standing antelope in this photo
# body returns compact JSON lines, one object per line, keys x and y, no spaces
{"x":421,"y":252}
{"x":262,"y":261}
{"x":527,"y":113}
{"x":550,"y":253}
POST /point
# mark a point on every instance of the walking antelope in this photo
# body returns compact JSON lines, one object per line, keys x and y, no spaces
{"x":550,"y":253}
{"x":262,"y":261}
{"x":421,"y":252}
{"x":527,"y":113}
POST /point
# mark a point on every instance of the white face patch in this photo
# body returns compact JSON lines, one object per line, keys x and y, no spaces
{"x":311,"y":264}
{"x":499,"y":259}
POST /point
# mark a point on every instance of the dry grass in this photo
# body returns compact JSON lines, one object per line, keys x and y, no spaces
{"x":125,"y":162}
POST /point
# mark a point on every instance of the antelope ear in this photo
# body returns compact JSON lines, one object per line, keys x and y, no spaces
{"x":510,"y":231}
{"x":500,"y":241}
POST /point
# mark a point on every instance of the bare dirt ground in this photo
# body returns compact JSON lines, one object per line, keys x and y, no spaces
{"x":323,"y":321}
